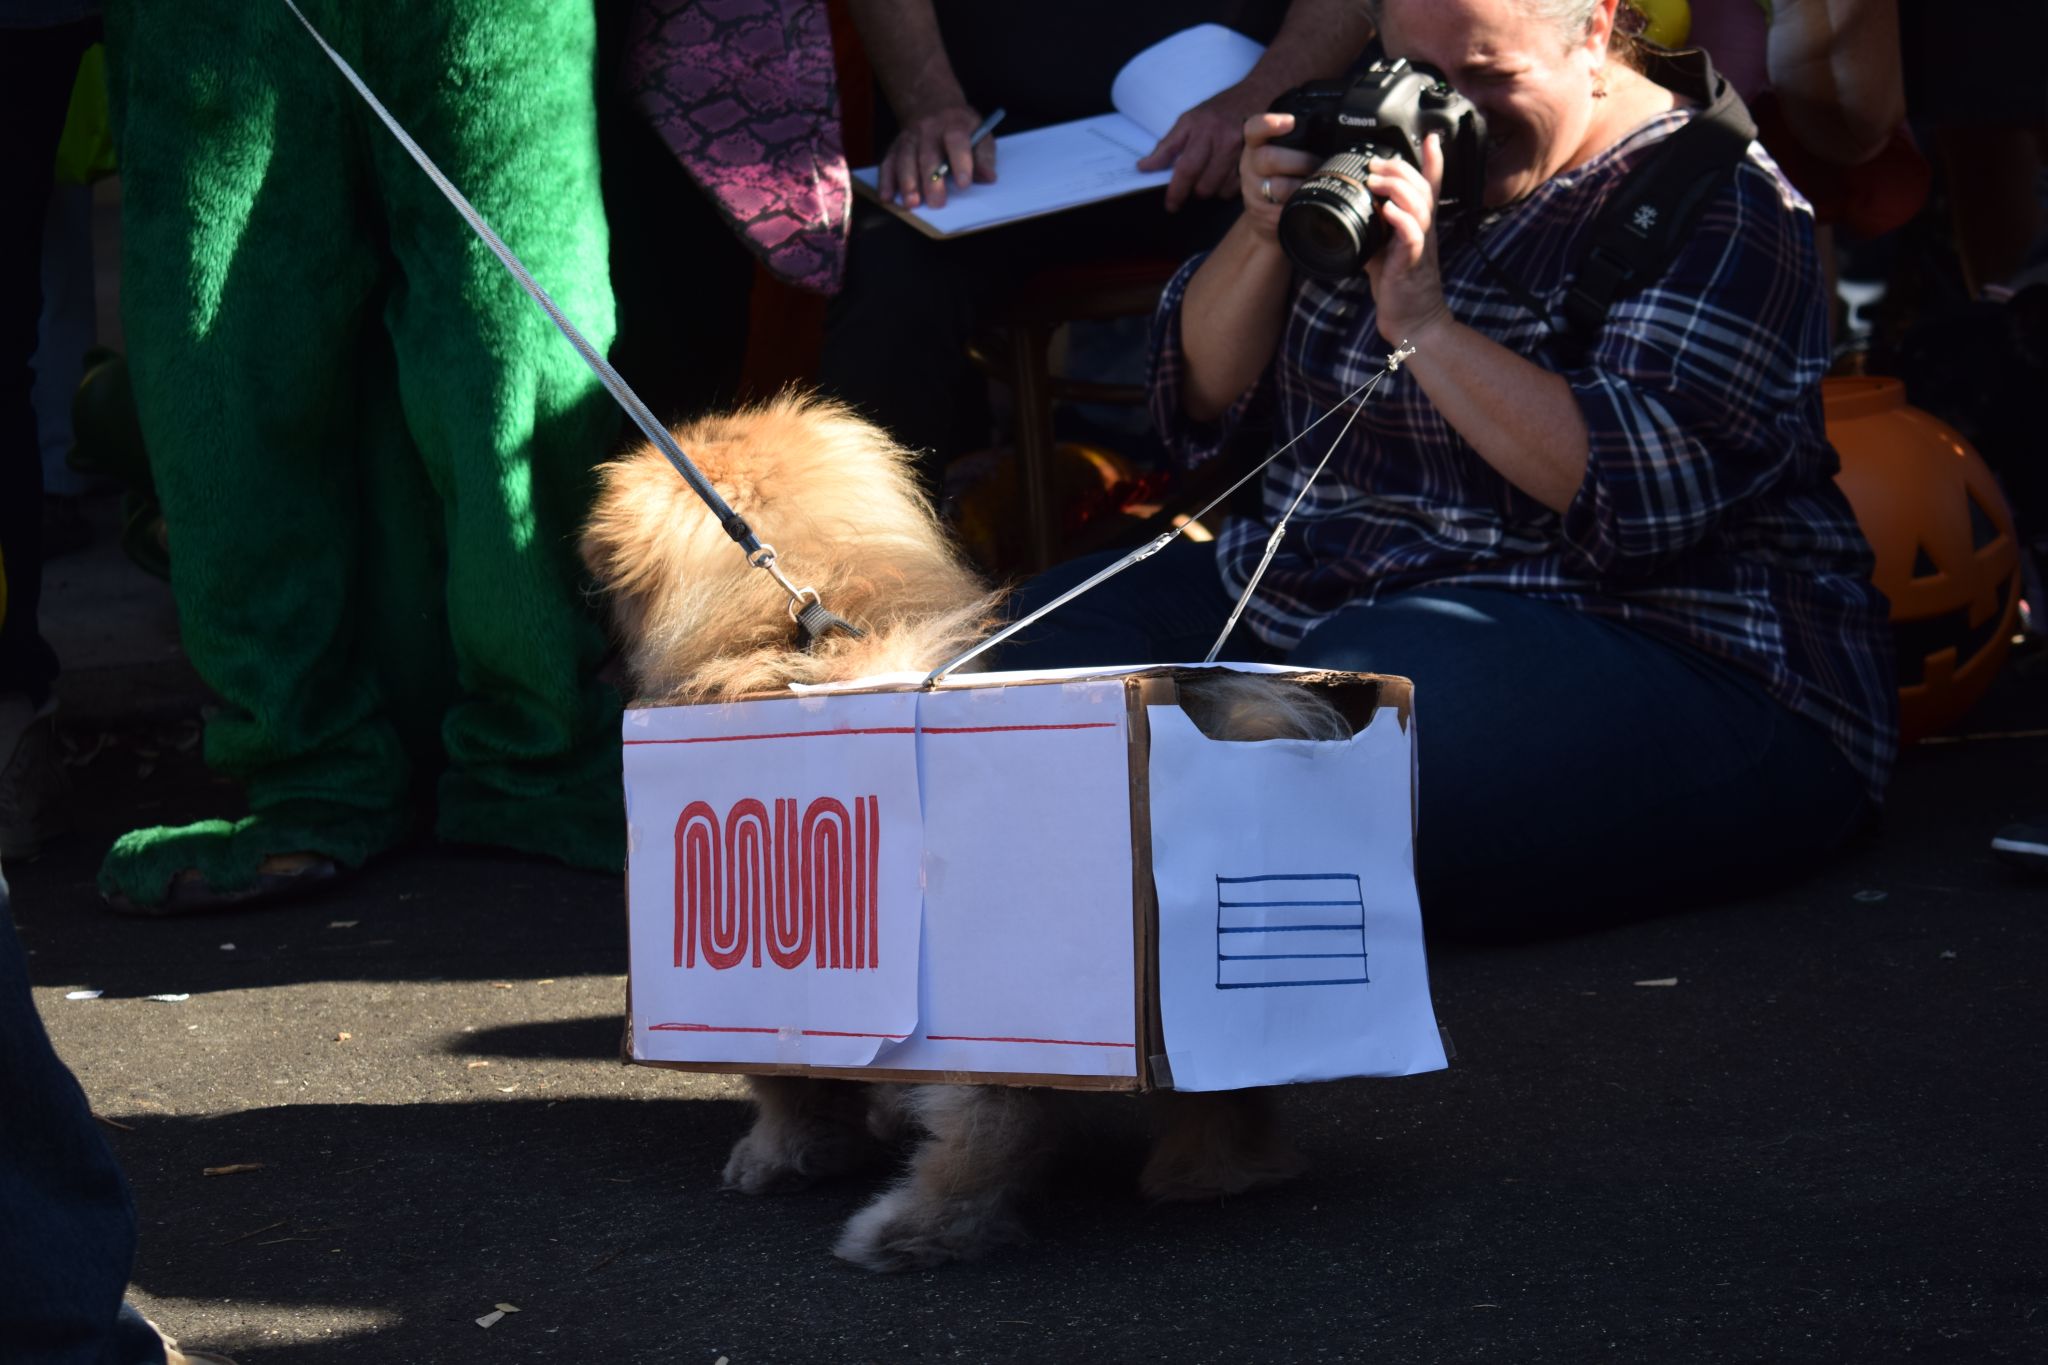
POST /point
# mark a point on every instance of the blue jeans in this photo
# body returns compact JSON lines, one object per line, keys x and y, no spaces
{"x":1572,"y":769}
{"x":67,"y":1225}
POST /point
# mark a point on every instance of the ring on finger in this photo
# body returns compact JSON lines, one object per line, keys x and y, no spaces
{"x":1266,"y":190}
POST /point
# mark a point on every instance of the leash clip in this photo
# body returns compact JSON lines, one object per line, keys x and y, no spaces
{"x":806,"y":608}
{"x":1404,"y":351}
{"x":764,"y":558}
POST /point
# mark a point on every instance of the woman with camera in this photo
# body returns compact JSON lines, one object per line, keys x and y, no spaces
{"x":1647,"y":656}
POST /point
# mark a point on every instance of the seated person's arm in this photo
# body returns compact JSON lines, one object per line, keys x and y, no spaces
{"x":1521,"y":418}
{"x":1317,"y":39}
{"x":1236,"y":302}
{"x":909,"y":56}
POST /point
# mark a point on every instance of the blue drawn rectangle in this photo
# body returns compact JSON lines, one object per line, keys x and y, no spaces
{"x":1290,"y":929}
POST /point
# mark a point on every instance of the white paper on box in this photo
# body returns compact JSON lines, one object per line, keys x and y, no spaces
{"x":1000,"y":882}
{"x":773,"y":878}
{"x":1028,"y":934}
{"x":1290,"y":938}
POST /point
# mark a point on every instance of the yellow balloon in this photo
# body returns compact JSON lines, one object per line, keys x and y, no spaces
{"x":1666,"y":23}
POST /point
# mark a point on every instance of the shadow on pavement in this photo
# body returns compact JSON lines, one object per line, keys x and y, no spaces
{"x":1506,"y":1212}
{"x":1827,"y":1141}
{"x":595,"y":1038}
{"x":421,"y":914}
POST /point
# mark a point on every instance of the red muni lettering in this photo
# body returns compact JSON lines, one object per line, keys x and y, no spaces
{"x":791,"y":887}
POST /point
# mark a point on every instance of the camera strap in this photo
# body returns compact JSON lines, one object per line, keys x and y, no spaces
{"x":1640,"y":230}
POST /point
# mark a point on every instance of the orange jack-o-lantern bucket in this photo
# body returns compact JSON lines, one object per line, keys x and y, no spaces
{"x":1946,"y":553}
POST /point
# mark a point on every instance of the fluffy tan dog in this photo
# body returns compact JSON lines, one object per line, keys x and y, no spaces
{"x":840,"y":503}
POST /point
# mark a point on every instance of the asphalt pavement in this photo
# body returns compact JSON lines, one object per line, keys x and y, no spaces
{"x":383,"y":1114}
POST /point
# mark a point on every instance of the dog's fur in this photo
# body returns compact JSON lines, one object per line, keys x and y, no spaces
{"x":839,"y":502}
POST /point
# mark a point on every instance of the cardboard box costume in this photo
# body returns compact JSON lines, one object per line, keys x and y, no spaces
{"x":1046,"y":880}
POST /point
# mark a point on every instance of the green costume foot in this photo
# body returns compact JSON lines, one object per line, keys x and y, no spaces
{"x":265,"y":857}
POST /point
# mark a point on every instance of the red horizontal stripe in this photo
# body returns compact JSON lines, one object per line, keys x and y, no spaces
{"x":1050,"y":1042}
{"x":793,"y":734}
{"x":808,"y":1033}
{"x":704,"y":1028}
{"x":1004,"y":729}
{"x":882,"y":730}
{"x":893,"y":1037}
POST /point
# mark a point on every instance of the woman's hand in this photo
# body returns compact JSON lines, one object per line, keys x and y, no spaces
{"x":1407,"y":291}
{"x":926,"y":141}
{"x":1266,"y":174}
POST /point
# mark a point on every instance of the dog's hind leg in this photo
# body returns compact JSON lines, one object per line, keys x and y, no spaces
{"x":805,"y":1131}
{"x":1213,"y":1144}
{"x":959,"y":1199}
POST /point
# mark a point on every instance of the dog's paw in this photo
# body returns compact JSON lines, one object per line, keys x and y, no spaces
{"x":905,"y":1231}
{"x":779,"y":1158}
{"x":1199,"y":1172}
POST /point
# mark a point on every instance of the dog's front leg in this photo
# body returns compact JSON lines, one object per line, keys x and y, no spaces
{"x":986,"y":1145}
{"x":805,"y":1131}
{"x":1216,"y":1143}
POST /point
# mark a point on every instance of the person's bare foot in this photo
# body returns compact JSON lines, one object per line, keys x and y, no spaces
{"x":279,"y":877}
{"x":276,"y":865}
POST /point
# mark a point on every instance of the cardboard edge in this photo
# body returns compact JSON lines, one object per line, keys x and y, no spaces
{"x":1398,"y":692}
{"x":1397,"y":688}
{"x":626,"y":1057}
{"x":1126,"y":1084}
{"x":1389,"y":691}
{"x":1146,"y":691}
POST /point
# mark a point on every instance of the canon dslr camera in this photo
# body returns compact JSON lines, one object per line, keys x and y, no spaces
{"x":1330,"y":227}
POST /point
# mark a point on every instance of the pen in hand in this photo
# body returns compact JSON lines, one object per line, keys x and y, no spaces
{"x":988,"y":125}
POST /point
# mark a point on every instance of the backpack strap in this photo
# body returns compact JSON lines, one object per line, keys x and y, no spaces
{"x":1639,"y":231}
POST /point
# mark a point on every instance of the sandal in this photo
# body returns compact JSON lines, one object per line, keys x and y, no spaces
{"x":281,"y":877}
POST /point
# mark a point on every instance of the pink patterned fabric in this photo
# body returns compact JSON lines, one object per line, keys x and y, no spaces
{"x":743,"y":93}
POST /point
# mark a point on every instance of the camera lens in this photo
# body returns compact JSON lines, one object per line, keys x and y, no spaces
{"x":1328,"y":227}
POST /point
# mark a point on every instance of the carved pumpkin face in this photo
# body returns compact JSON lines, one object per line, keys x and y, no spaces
{"x":1946,"y":553}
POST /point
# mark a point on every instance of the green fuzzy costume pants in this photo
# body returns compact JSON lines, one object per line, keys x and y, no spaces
{"x":372,"y":449}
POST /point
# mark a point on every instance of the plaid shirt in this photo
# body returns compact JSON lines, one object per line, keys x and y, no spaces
{"x":1708,"y":515}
